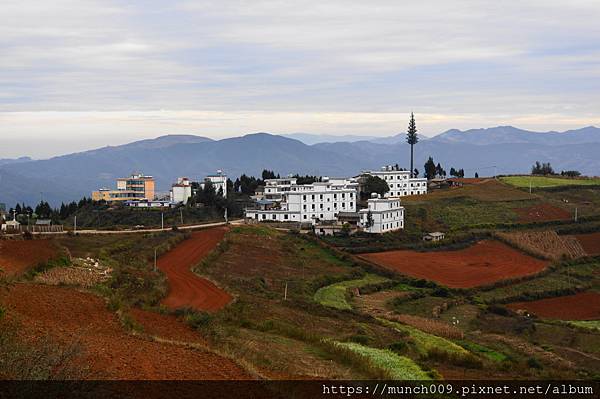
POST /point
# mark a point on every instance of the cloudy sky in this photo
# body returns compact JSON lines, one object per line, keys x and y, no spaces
{"x":78,"y":74}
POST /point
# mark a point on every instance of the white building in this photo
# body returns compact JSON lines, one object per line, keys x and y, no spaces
{"x":306,"y":203}
{"x":400,"y":182}
{"x":219,"y":181}
{"x":386,"y":215}
{"x":181,"y":191}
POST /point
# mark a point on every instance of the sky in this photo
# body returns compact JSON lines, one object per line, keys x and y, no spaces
{"x":81,"y":74}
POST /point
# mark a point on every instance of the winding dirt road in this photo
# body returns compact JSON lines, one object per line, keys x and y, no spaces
{"x":186,"y":289}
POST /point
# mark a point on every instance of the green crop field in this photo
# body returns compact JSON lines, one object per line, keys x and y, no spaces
{"x":544,"y":181}
{"x":334,"y":295}
{"x":396,"y":366}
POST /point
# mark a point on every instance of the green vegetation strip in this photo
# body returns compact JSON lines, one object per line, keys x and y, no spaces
{"x":590,"y":325}
{"x":484,"y":351}
{"x":427,"y":343}
{"x":395,"y":366}
{"x":544,"y":181}
{"x":334,"y":295}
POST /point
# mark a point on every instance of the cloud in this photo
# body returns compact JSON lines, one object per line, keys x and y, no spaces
{"x":465,"y":61}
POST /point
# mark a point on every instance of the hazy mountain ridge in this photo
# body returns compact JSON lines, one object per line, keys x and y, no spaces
{"x":69,"y":177}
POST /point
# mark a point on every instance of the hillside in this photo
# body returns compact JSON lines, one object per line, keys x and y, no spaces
{"x":502,"y":149}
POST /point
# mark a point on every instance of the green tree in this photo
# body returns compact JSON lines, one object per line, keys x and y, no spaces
{"x":476,"y":175}
{"x":412,"y":138}
{"x":374,"y":184}
{"x":430,"y":169}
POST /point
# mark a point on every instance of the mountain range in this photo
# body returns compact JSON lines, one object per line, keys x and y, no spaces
{"x":500,"y":150}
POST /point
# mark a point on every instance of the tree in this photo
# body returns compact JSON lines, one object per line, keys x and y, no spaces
{"x":416,"y":173}
{"x":412,"y":138}
{"x":370,"y":221}
{"x":542,"y":169}
{"x":269,"y":174}
{"x":430,"y":169}
{"x":570,"y":173}
{"x":476,"y":175}
{"x":374,"y":184}
{"x":439,"y":171}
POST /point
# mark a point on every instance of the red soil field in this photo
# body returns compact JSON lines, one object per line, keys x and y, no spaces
{"x":186,"y":289}
{"x":165,"y":326}
{"x":541,"y":213}
{"x":17,"y":256}
{"x":590,"y":243}
{"x":71,"y":316}
{"x":582,"y":306}
{"x":483,"y":263}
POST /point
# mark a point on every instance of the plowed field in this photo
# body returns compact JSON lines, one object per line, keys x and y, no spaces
{"x":72,"y":316}
{"x":590,"y":243}
{"x":16,"y":256}
{"x":483,"y":263}
{"x":583,"y":306}
{"x":542,"y":213}
{"x":186,"y":289}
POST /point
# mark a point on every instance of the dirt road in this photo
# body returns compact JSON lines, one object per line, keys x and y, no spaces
{"x":186,"y":289}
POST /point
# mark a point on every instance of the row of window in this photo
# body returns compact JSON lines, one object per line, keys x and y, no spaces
{"x":335,"y":206}
{"x":335,"y":196}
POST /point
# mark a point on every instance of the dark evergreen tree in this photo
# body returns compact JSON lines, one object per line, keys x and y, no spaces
{"x":412,"y":138}
{"x":374,"y":184}
{"x":430,"y":169}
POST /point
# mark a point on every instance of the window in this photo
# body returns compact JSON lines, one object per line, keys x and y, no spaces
{"x":351,"y":204}
{"x":304,"y":197}
{"x":320,"y":196}
{"x":304,"y":206}
{"x":264,"y":217}
{"x":285,"y":216}
{"x":304,"y":216}
{"x":312,"y":197}
{"x":274,"y":216}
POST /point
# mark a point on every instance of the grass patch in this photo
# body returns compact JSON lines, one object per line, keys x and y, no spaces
{"x":546,"y":181}
{"x":334,"y":295}
{"x":483,"y":350}
{"x":392,"y":365}
{"x":593,"y":325}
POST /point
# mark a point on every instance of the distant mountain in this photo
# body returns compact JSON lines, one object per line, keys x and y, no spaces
{"x":510,"y":134}
{"x":7,"y":161}
{"x":311,"y":139}
{"x":502,"y":149}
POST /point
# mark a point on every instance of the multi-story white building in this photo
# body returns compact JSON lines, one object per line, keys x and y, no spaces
{"x":400,"y":182}
{"x":385,"y":214}
{"x":219,"y":181}
{"x":181,"y":191}
{"x":306,"y":203}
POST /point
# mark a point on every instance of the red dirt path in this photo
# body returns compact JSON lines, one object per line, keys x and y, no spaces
{"x":71,"y":316}
{"x":16,"y":256}
{"x":590,"y":243}
{"x":542,"y":213}
{"x":483,"y":263}
{"x":186,"y":289}
{"x":582,"y":306}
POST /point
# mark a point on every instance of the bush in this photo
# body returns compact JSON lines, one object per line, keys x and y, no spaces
{"x":360,"y":339}
{"x":194,"y":318}
{"x":499,"y":310}
{"x":533,"y":363}
{"x":398,"y":347}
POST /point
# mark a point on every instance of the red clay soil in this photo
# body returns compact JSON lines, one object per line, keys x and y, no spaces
{"x":17,"y":256}
{"x":483,"y":263}
{"x":165,"y":326}
{"x":186,"y":289}
{"x":71,"y":316}
{"x":582,"y":306}
{"x":541,"y":213}
{"x":590,"y":243}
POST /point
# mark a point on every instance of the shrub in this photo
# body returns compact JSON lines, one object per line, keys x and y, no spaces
{"x":398,"y":347}
{"x":194,"y":318}
{"x":360,"y":339}
{"x":533,"y":363}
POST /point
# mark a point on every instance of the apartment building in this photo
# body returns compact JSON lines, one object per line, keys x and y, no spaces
{"x":181,"y":191}
{"x":382,"y":215}
{"x":304,"y":203}
{"x":135,"y":187}
{"x":400,"y":182}
{"x":218,"y":180}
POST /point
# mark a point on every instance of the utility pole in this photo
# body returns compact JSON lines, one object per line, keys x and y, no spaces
{"x":576,"y":214}
{"x":162,"y":220}
{"x":75,"y":224}
{"x":285,"y":292}
{"x":529,"y":186}
{"x":226,"y":221}
{"x":181,"y":215}
{"x":154,"y":259}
